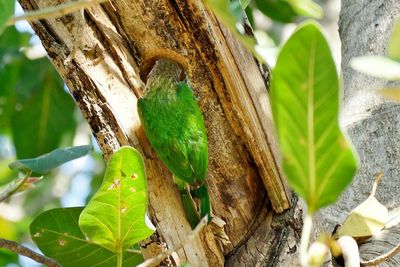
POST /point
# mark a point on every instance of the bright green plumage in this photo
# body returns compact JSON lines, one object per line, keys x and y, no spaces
{"x":174,"y":126}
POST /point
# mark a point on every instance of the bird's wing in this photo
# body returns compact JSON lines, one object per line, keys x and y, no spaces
{"x":196,"y":133}
{"x":175,"y":156}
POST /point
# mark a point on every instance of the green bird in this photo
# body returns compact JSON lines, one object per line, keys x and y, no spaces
{"x":174,"y":126}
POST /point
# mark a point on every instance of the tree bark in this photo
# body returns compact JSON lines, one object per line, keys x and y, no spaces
{"x":372,"y":123}
{"x":104,"y":55}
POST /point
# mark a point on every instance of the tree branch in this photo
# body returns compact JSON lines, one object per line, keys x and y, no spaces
{"x":382,"y":258}
{"x":24,"y":251}
{"x":54,"y":11}
{"x":11,"y":190}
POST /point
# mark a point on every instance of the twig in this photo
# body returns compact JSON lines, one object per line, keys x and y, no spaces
{"x":17,"y":248}
{"x":160,"y":257}
{"x":11,"y":190}
{"x":378,"y":178}
{"x":382,"y":258}
{"x":54,"y":11}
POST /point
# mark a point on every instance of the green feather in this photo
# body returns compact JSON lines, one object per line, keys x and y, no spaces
{"x":174,"y":126}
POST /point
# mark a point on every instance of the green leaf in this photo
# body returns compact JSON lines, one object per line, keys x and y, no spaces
{"x":305,"y":100}
{"x":56,"y":232}
{"x":115,"y":216}
{"x":394,"y":42}
{"x":11,"y":42}
{"x":378,"y":66}
{"x":278,"y":10}
{"x":306,"y":8}
{"x":6,"y":10}
{"x":244,"y":3}
{"x":11,"y":70}
{"x":44,"y":111}
{"x":49,"y":161}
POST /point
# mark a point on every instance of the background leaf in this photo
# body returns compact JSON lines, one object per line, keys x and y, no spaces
{"x":231,"y":14}
{"x":244,"y":3}
{"x":394,"y":42}
{"x":378,"y":66}
{"x":6,"y":10}
{"x":44,"y":111}
{"x":57,"y":234}
{"x":49,"y":161}
{"x":115,"y":216}
{"x":11,"y":62}
{"x":278,"y":10}
{"x":307,"y":8}
{"x":304,"y":97}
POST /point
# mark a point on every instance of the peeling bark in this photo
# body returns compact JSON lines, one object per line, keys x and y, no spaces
{"x":104,"y":55}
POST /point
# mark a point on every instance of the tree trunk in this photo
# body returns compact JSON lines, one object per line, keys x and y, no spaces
{"x":372,"y":123}
{"x":104,"y":55}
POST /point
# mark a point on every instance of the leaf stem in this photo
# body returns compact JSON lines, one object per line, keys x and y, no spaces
{"x":11,"y":190}
{"x":24,"y":251}
{"x":305,"y":239}
{"x":119,"y":257}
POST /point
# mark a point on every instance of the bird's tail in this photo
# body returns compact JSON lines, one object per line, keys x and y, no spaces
{"x":190,"y":208}
{"x":188,"y":203}
{"x":202,"y":194}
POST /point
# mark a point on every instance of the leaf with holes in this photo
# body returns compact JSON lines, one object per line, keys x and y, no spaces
{"x":115,"y":217}
{"x":49,"y":161}
{"x":305,"y":100}
{"x":56,"y":232}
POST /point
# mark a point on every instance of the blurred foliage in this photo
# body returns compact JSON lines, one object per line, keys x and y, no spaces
{"x":6,"y":10}
{"x":38,"y":115}
{"x":236,"y":15}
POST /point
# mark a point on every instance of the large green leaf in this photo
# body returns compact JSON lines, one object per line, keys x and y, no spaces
{"x":305,"y":100}
{"x":57,"y":234}
{"x":6,"y":10}
{"x":44,"y":112}
{"x":49,"y":161}
{"x":115,"y":216}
